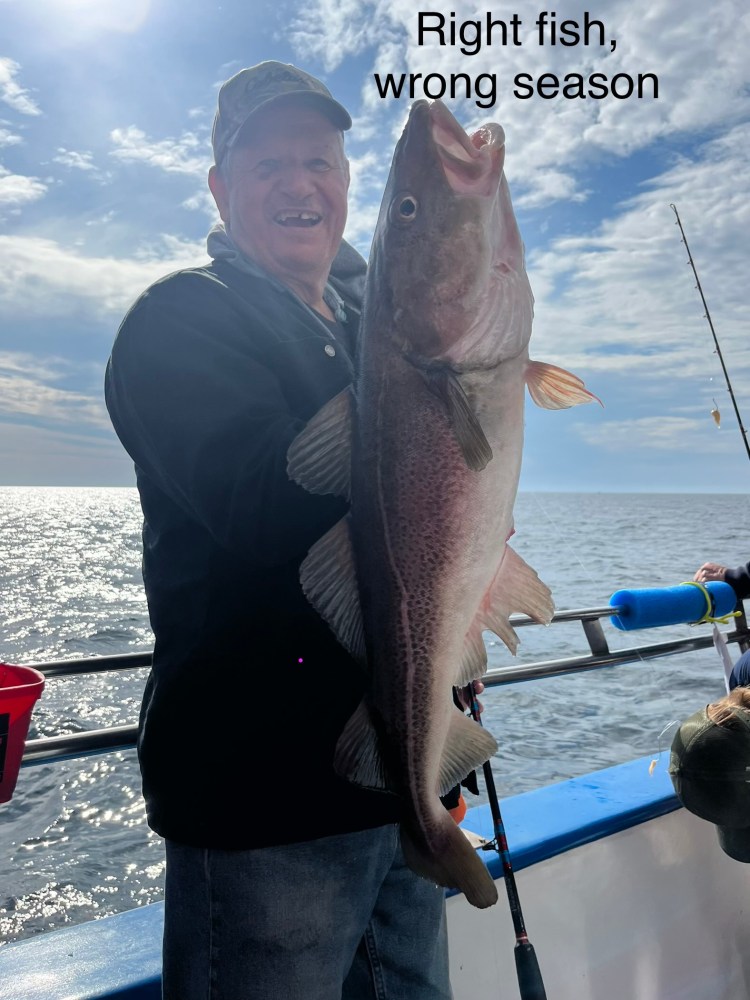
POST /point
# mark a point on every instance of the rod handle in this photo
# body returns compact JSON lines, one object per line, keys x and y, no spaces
{"x":530,"y":984}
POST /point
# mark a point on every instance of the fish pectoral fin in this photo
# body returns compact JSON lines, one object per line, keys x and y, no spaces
{"x":454,"y":864}
{"x":320,"y":457}
{"x":473,"y":663}
{"x":446,"y":385}
{"x":554,"y":388}
{"x":516,"y":587}
{"x":467,"y":745}
{"x":357,"y":757}
{"x":329,"y":581}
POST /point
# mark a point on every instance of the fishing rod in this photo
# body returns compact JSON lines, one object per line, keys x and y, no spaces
{"x":713,"y":332}
{"x":530,"y":983}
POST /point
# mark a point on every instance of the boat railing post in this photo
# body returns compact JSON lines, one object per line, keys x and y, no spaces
{"x":595,"y":635}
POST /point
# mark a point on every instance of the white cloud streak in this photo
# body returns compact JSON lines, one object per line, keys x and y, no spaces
{"x":12,"y":93}
{"x":8,"y":138}
{"x":663,"y":433}
{"x":187,"y":155}
{"x":27,"y":390}
{"x":28,"y":397}
{"x":43,"y":278}
{"x":16,"y":189}
{"x":71,"y":158}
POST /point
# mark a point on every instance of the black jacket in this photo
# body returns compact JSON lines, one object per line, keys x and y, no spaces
{"x":739,"y":580}
{"x":212,"y":375}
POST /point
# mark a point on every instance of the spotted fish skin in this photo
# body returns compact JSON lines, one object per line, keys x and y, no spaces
{"x":428,"y":444}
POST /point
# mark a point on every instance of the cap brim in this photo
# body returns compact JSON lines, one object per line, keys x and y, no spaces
{"x":336,"y":113}
{"x":735,"y":841}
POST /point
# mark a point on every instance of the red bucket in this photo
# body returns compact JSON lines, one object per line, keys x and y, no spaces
{"x":20,"y":687}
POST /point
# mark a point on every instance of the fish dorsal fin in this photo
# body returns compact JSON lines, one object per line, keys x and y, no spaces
{"x":329,"y":581}
{"x":466,"y":747}
{"x":357,"y":757}
{"x":320,"y":456}
{"x":473,"y":663}
{"x":471,"y":438}
{"x":515,"y":588}
{"x":554,"y":388}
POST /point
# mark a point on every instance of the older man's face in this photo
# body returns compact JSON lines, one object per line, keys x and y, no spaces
{"x":283,"y":193}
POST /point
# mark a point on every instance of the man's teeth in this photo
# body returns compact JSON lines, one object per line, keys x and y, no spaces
{"x":296,"y":218}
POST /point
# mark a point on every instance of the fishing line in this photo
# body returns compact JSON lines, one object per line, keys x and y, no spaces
{"x":530,"y":983}
{"x":707,"y":315}
{"x":659,"y":748}
{"x":656,"y":679}
{"x":647,"y":664}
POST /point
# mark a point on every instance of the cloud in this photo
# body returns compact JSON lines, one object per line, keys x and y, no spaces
{"x":102,"y":220}
{"x":343,"y":21}
{"x":554,"y":185}
{"x":43,"y":278}
{"x":11,"y":93}
{"x":28,"y":397}
{"x":26,"y":391}
{"x":187,"y":155}
{"x":202,"y":201}
{"x":70,"y":158}
{"x":16,"y":189}
{"x":31,"y":365}
{"x":703,"y":78}
{"x":658,"y":433}
{"x":623,"y":298}
{"x":368,"y":176}
{"x":8,"y":138}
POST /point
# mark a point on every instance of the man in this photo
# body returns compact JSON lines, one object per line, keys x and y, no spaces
{"x":282,"y":880}
{"x":739,"y":580}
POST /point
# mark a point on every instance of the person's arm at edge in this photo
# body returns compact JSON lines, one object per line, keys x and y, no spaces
{"x":738,"y":578}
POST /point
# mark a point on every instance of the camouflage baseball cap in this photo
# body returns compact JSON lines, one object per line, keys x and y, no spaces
{"x":710,"y":770}
{"x":251,"y":89}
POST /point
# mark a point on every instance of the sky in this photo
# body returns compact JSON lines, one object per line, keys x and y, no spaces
{"x":105,"y":120}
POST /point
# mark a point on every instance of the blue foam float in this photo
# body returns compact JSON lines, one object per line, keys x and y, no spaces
{"x":651,"y":607}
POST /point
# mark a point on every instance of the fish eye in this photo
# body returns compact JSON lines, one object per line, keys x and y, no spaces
{"x":404,"y":207}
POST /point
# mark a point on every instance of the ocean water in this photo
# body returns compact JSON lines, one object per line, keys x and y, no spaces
{"x":75,"y":844}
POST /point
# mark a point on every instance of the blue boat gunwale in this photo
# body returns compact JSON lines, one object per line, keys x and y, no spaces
{"x":119,"y":956}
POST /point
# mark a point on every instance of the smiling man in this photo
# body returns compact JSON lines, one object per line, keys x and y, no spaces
{"x":283,"y":880}
{"x":282,"y":195}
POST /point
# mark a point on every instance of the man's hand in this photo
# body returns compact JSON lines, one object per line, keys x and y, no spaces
{"x":710,"y":571}
{"x":464,"y":699}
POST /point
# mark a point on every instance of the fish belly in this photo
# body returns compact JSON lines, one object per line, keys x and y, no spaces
{"x":430,"y":536}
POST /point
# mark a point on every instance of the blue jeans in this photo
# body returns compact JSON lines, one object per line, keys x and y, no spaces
{"x":339,"y":917}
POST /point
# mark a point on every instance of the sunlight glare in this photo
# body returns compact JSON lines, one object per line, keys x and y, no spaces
{"x":87,"y":16}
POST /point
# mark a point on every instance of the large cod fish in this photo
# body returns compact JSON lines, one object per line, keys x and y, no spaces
{"x":427,"y":445}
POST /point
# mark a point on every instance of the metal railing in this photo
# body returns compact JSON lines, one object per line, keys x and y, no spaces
{"x":69,"y":745}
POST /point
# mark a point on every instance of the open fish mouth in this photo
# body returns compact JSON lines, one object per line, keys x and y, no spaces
{"x":472,"y":164}
{"x":298,"y":218}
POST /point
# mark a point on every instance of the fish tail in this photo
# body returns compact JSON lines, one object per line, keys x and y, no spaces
{"x":454,"y":863}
